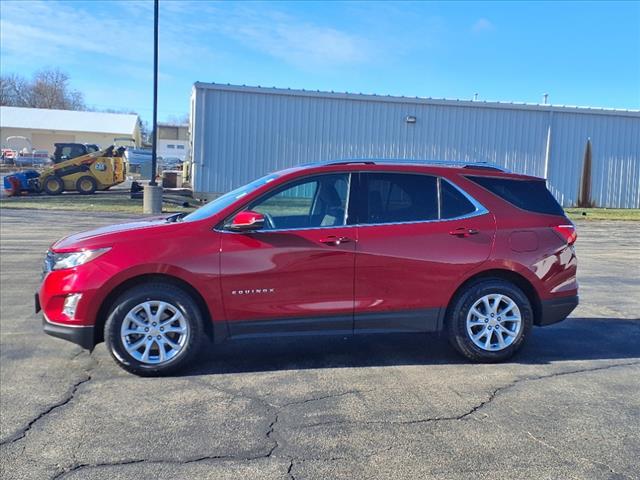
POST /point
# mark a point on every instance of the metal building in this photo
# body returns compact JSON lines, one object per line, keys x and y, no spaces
{"x":241,"y":133}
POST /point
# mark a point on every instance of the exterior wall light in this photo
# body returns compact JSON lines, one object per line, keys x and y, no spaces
{"x":410,"y":119}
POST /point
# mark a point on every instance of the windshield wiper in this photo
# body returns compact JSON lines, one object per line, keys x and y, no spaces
{"x":176,"y":217}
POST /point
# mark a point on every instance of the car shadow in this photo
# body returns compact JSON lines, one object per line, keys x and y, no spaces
{"x":573,"y":339}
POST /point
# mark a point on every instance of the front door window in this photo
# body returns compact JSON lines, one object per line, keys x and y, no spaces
{"x":312,"y":203}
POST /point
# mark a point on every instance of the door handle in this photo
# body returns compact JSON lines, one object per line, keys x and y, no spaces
{"x":332,"y":240}
{"x":464,"y":232}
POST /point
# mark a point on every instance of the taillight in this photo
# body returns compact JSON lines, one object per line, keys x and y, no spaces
{"x":567,"y":233}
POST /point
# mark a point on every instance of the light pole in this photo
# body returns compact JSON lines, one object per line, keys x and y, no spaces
{"x":152,"y":196}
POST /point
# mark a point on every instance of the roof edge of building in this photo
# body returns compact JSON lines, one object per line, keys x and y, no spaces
{"x":50,"y":119}
{"x":415,"y":100}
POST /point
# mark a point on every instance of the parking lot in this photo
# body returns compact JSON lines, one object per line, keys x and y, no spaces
{"x":567,"y":406}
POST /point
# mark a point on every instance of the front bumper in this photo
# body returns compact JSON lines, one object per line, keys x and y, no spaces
{"x":78,"y":334}
{"x":557,"y":309}
{"x":58,"y":285}
{"x":83,"y":336}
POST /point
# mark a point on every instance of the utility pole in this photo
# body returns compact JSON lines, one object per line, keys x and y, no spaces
{"x":152,"y":196}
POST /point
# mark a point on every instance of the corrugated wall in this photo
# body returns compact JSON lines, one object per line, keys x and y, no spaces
{"x":241,"y":133}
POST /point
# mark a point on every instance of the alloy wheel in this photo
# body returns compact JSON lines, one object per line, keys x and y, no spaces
{"x":154,"y":332}
{"x":494,"y":322}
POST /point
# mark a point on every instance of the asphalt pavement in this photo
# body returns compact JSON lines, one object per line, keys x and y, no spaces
{"x":567,"y":406}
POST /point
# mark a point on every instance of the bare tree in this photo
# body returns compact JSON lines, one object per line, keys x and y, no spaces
{"x":49,"y":88}
{"x":14,"y":90}
{"x":145,"y":131}
{"x":178,"y":119}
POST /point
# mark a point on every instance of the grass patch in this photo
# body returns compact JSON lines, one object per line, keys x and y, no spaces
{"x":90,"y":203}
{"x":632,"y":214}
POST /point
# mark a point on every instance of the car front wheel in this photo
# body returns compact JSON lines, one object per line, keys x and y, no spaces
{"x":154,"y":329}
{"x":489,"y":320}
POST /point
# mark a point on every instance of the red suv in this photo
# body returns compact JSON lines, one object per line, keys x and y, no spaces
{"x":341,"y":248}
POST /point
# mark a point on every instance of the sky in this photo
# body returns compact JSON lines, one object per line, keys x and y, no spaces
{"x":580,"y":53}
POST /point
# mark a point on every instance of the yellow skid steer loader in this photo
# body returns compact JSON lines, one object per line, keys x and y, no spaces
{"x":85,"y":174}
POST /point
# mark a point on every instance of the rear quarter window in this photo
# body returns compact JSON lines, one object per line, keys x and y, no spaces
{"x":531,"y":195}
{"x":453,"y":202}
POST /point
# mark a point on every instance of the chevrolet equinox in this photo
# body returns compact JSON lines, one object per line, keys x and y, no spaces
{"x":353,"y":247}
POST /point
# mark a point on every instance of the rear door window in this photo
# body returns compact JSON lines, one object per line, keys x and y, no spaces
{"x":399,"y":197}
{"x":531,"y":195}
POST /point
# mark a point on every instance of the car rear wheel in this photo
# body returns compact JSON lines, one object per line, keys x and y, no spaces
{"x":154,"y":329}
{"x":489,"y":320}
{"x":86,"y":185}
{"x":53,"y":185}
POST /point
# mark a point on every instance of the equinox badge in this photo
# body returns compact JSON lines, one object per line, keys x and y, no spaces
{"x":253,"y":290}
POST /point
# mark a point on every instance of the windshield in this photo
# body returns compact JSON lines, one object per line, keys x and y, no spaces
{"x":222,"y":202}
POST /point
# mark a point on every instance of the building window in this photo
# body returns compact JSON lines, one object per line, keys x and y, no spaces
{"x":180,"y":147}
{"x":171,"y":147}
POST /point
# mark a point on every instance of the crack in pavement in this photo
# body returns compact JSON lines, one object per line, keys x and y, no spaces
{"x":69,"y":396}
{"x":208,"y":458}
{"x":475,"y":408}
{"x":241,"y":394}
{"x":322,"y":397}
{"x":83,"y":466}
{"x":211,"y":458}
{"x":562,"y":453}
{"x":271,"y":434}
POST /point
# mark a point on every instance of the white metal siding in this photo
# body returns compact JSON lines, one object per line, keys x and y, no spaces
{"x":242,"y":133}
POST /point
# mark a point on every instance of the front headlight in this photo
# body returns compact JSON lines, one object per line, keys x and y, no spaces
{"x":74,"y":259}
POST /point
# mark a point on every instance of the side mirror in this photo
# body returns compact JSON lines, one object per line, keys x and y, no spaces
{"x":246,"y":221}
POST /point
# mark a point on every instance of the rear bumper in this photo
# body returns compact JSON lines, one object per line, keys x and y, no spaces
{"x":557,"y":309}
{"x":79,"y":335}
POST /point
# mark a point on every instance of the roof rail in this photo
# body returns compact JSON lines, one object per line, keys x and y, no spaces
{"x":400,"y":161}
{"x":349,"y":162}
{"x":458,"y":163}
{"x":454,"y":163}
{"x":491,"y":167}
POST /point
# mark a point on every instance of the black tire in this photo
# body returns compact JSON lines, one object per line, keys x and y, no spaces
{"x":53,"y":185}
{"x":178,"y":300}
{"x":459,"y":310}
{"x":86,"y":185}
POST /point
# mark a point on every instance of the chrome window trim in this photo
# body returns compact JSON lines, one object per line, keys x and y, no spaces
{"x":462,"y":217}
{"x":284,"y":230}
{"x":439,"y":196}
{"x":349,"y":175}
{"x":479,"y":210}
{"x":280,"y":230}
{"x":346,"y":202}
